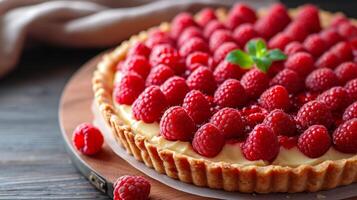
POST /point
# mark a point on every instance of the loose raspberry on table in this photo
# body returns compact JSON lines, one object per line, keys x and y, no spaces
{"x":254,"y":82}
{"x":314,"y":113}
{"x":208,"y":140}
{"x":301,"y":62}
{"x":188,"y":33}
{"x":226,"y":70}
{"x":287,"y":142}
{"x":243,"y":33}
{"x":221,"y":52}
{"x":167,"y":55}
{"x":345,"y":137}
{"x":336,"y":98}
{"x":131,"y":187}
{"x":350,"y":112}
{"x":150,"y":105}
{"x":139,"y":49}
{"x":197,"y":106}
{"x":297,"y":31}
{"x":309,"y":16}
{"x":240,"y":13}
{"x":176,"y":124}
{"x":276,"y":97}
{"x":180,"y":22}
{"x":289,"y":79}
{"x":205,"y":16}
{"x":196,"y":59}
{"x":261,"y":144}
{"x":137,"y":64}
{"x":219,"y":37}
{"x":330,"y":36}
{"x":129,"y":88}
{"x":293,"y":48}
{"x":175,"y":90}
{"x":351,"y":88}
{"x":327,"y":60}
{"x":281,"y":123}
{"x":229,"y":122}
{"x":230,"y":94}
{"x":315,"y":141}
{"x":159,"y":74}
{"x":193,"y":45}
{"x":346,"y":71}
{"x":279,"y":41}
{"x":211,"y":27}
{"x":202,"y":79}
{"x":87,"y":139}
{"x":321,"y":79}
{"x":315,"y":45}
{"x":343,"y":50}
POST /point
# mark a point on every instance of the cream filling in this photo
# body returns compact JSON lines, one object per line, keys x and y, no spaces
{"x":231,"y":153}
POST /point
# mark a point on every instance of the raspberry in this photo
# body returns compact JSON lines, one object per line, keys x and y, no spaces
{"x":312,"y":113}
{"x":338,"y":20}
{"x":305,"y":97}
{"x":330,"y":36}
{"x":211,"y":27}
{"x":289,"y":79}
{"x":218,"y":38}
{"x":239,"y":14}
{"x":275,"y":68}
{"x":346,"y":71}
{"x":197,"y":106}
{"x":205,"y":16}
{"x":347,"y":30}
{"x":301,"y":62}
{"x":230,"y":122}
{"x":309,"y":16}
{"x":261,"y":144}
{"x":281,"y":123}
{"x":196,"y":59}
{"x":335,"y":98}
{"x":327,"y":60}
{"x":167,"y":55}
{"x":150,"y":105}
{"x":139,"y":49}
{"x":221,"y":52}
{"x":315,"y":141}
{"x":343,"y":51}
{"x":137,"y":64}
{"x":192,"y":45}
{"x":254,"y":82}
{"x":230,"y":94}
{"x":158,"y":37}
{"x":315,"y":45}
{"x":176,"y":124}
{"x":297,"y":31}
{"x":293,"y":48}
{"x":129,"y":88}
{"x":276,"y":97}
{"x":350,"y":112}
{"x":189,"y":33}
{"x":131,"y":187}
{"x":87,"y":139}
{"x":202,"y":79}
{"x":287,"y":142}
{"x":159,"y":75}
{"x":272,"y":23}
{"x":321,"y":79}
{"x":180,"y":22}
{"x":175,"y":90}
{"x":279,"y":41}
{"x":208,"y":141}
{"x":351,"y":88}
{"x":345,"y":137}
{"x":226,"y":70}
{"x":243,"y":33}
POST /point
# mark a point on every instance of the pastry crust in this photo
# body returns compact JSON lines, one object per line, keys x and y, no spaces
{"x":218,"y":175}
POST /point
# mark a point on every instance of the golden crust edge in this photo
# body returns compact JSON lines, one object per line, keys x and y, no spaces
{"x":218,"y":175}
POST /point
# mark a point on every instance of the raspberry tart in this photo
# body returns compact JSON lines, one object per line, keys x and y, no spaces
{"x":240,"y":100}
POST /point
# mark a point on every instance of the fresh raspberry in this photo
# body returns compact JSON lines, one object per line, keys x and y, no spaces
{"x":351,"y":88}
{"x":315,"y":45}
{"x":315,"y":141}
{"x":350,"y":112}
{"x":272,"y":23}
{"x":150,"y":105}
{"x":275,"y":68}
{"x":230,"y":94}
{"x":202,"y":79}
{"x":176,"y":124}
{"x":338,"y":20}
{"x":226,"y":70}
{"x":343,"y":50}
{"x":321,"y":79}
{"x":279,"y":41}
{"x":312,"y":113}
{"x":208,"y":140}
{"x":243,"y":33}
{"x":180,"y":22}
{"x":287,"y":142}
{"x":335,"y":98}
{"x":347,"y":30}
{"x":128,"y":89}
{"x":221,"y":52}
{"x":213,"y":26}
{"x":196,"y":59}
{"x":197,"y":106}
{"x":289,"y":79}
{"x":175,"y":90}
{"x":254,"y":82}
{"x":139,"y":49}
{"x":205,"y":16}
{"x":304,"y":97}
{"x":276,"y":97}
{"x":297,"y":31}
{"x":230,"y":122}
{"x":87,"y":139}
{"x":346,"y":71}
{"x":137,"y":64}
{"x":261,"y":144}
{"x":193,"y":45}
{"x":345,"y":137}
{"x":188,"y":33}
{"x":131,"y":187}
{"x":301,"y":62}
{"x":159,"y":74}
{"x":309,"y":16}
{"x":330,"y":36}
{"x":167,"y":55}
{"x":158,"y":37}
{"x":327,"y":60}
{"x":240,"y":13}
{"x":293,"y":48}
{"x":281,"y":123}
{"x":218,"y":38}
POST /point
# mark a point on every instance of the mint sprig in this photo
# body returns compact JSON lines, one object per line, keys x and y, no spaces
{"x":258,"y":54}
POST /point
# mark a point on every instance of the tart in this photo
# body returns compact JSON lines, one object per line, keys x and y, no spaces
{"x":238,"y":100}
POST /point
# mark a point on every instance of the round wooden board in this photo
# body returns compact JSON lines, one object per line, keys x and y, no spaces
{"x":104,"y":168}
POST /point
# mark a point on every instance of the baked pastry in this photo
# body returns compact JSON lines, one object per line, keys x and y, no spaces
{"x":186,"y":99}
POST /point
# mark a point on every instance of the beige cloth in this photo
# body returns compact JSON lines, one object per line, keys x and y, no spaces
{"x":95,"y":23}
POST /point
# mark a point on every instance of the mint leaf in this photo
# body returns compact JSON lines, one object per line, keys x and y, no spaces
{"x":276,"y":55}
{"x":257,"y":47}
{"x":262,"y":63}
{"x":240,"y":58}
